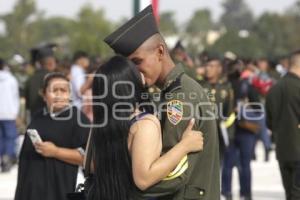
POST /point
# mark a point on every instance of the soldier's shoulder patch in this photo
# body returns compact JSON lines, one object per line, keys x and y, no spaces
{"x":175,"y":111}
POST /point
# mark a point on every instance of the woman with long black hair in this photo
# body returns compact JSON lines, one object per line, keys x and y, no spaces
{"x":126,"y":138}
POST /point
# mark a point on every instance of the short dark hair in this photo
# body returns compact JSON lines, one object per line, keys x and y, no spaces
{"x":1,"y":63}
{"x":50,"y":76}
{"x":79,"y":54}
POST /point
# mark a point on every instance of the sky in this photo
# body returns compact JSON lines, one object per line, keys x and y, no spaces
{"x":117,"y":9}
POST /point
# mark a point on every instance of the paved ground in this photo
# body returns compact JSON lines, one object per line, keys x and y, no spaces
{"x":266,"y":180}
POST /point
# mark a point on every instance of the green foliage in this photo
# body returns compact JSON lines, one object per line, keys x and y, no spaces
{"x":271,"y":34}
{"x":244,"y":47}
{"x":237,"y":15}
{"x":17,"y":33}
{"x":197,"y":29}
{"x":201,"y":22}
{"x":167,"y":24}
{"x":26,"y":28}
{"x":89,"y":31}
{"x":278,"y":33}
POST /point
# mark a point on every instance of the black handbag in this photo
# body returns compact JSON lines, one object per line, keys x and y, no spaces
{"x":79,"y":193}
{"x":83,"y":189}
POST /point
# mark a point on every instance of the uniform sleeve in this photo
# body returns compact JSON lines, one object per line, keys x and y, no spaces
{"x":173,"y":127}
{"x":168,"y":187}
{"x":81,"y":130}
{"x":171,"y":136}
{"x":230,"y":108}
{"x":273,"y":102}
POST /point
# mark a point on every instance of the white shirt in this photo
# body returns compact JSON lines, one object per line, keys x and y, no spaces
{"x":9,"y":96}
{"x":77,"y":81}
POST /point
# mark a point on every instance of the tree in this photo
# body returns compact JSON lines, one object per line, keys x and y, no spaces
{"x":51,"y":30}
{"x":17,"y":34}
{"x":237,"y":15}
{"x":197,"y":29}
{"x":278,"y":33}
{"x":90,"y":30}
{"x":168,"y":24}
{"x":242,"y":46}
{"x":294,"y":10}
{"x":201,"y":22}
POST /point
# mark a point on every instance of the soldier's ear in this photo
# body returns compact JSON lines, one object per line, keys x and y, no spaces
{"x":161,"y":51}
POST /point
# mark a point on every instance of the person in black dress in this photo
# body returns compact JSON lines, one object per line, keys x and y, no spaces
{"x":48,"y":170}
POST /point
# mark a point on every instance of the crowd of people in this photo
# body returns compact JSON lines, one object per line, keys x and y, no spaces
{"x":215,"y":109}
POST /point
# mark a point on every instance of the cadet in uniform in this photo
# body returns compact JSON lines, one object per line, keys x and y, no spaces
{"x":181,"y":99}
{"x":221,"y":93}
{"x":179,"y":55}
{"x":283,"y":118}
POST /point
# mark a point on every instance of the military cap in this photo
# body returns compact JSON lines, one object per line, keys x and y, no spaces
{"x":126,"y":39}
{"x":213,"y":56}
{"x":179,"y":46}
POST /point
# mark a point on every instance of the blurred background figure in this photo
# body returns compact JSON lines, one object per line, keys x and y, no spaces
{"x":283,"y":118}
{"x":221,"y":94}
{"x":87,"y":98}
{"x":44,"y":62}
{"x":265,"y":78}
{"x":241,"y":149}
{"x":9,"y":109}
{"x":81,"y":62}
{"x":283,"y":66}
{"x":179,"y":55}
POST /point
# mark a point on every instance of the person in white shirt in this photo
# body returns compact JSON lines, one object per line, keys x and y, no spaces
{"x":9,"y":109}
{"x":78,"y":77}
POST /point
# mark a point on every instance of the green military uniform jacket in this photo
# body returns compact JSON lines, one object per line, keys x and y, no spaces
{"x":187,"y":70}
{"x":222,"y":95}
{"x":198,"y":178}
{"x":283,"y":117}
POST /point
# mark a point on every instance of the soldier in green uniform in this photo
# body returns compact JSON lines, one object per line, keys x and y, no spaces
{"x":181,"y":99}
{"x":283,"y":118}
{"x":180,"y":56}
{"x":221,"y":93}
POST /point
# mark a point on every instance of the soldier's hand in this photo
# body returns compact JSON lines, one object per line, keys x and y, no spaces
{"x":191,"y":139}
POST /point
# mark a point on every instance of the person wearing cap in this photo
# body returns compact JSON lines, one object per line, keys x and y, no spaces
{"x":179,"y":55}
{"x":221,"y":93}
{"x":181,"y":99}
{"x":45,"y":62}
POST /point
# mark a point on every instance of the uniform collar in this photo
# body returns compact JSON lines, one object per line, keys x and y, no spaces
{"x":293,"y":75}
{"x":172,"y":76}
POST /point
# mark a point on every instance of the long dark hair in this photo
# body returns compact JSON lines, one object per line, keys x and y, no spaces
{"x":113,"y":171}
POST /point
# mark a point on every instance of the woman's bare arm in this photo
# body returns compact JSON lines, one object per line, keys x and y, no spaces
{"x":147,"y":165}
